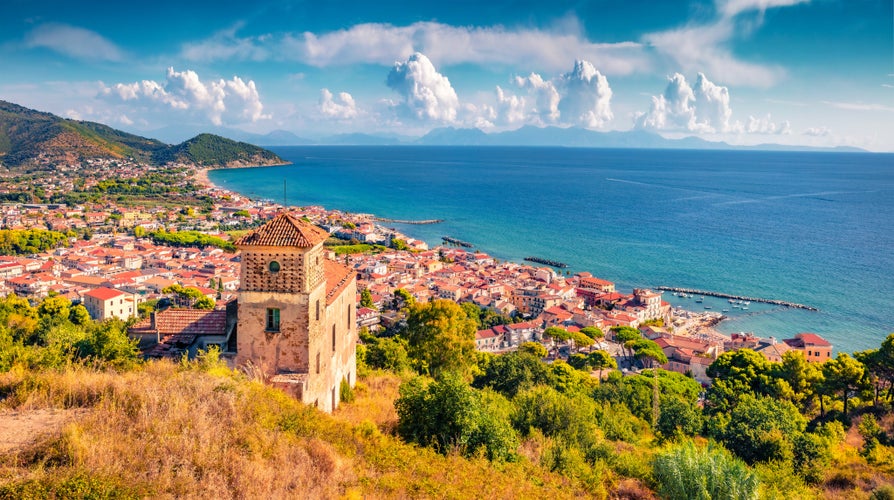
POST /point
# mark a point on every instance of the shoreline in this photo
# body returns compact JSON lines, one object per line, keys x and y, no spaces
{"x":705,"y":324}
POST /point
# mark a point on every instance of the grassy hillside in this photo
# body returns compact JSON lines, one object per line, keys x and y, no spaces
{"x":199,"y":430}
{"x":26,"y":135}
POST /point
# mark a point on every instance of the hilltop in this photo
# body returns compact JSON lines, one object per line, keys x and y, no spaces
{"x":30,"y":138}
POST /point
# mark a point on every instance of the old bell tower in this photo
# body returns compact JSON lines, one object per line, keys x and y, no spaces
{"x":296,"y":311}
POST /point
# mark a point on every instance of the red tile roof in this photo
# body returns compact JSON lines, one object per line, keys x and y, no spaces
{"x":104,"y":293}
{"x":337,"y":278}
{"x":284,"y":230}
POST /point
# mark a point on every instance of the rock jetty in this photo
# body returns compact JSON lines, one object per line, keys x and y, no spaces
{"x":694,"y":291}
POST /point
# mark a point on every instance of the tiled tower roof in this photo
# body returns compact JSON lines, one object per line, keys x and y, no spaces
{"x":285,"y":230}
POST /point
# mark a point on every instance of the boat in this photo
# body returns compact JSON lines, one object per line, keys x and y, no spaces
{"x":744,"y":308}
{"x":724,"y":310}
{"x":700,"y":300}
{"x":707,"y":307}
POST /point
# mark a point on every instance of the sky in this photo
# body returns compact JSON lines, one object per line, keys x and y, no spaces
{"x":806,"y":72}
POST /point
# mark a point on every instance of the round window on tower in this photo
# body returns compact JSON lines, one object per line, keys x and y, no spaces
{"x":273,"y":267}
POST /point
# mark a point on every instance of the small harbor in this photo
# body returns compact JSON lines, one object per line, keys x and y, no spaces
{"x":692,"y":291}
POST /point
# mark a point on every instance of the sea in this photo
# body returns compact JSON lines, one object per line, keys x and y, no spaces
{"x":815,"y":228}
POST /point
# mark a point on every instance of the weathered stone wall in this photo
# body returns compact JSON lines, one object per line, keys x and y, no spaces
{"x":338,"y":363}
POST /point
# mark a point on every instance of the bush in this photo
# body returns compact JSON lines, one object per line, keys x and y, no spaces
{"x":450,"y":415}
{"x":345,"y":392}
{"x":686,"y":472}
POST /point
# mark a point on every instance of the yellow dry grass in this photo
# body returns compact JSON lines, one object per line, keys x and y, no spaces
{"x":169,"y":431}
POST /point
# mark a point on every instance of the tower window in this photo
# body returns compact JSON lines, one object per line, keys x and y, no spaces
{"x":318,"y":310}
{"x":272,"y":319}
{"x":318,"y":363}
{"x":349,"y":316}
{"x":333,"y":338}
{"x":273,"y":266}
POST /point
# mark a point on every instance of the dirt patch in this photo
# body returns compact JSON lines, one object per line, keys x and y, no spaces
{"x":19,"y":428}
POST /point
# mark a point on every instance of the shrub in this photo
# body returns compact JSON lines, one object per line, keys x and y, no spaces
{"x":686,"y":472}
{"x":451,"y":415}
{"x":345,"y":392}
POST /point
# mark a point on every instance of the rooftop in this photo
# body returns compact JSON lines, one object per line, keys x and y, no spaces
{"x":285,"y":230}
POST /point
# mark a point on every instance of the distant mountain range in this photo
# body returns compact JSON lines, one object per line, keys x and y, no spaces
{"x":26,"y":135}
{"x":524,"y":136}
{"x":29,"y":137}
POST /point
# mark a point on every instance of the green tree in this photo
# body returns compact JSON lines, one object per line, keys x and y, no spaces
{"x":139,"y":231}
{"x":79,"y":315}
{"x":441,"y":336}
{"x":843,"y":375}
{"x":450,"y":415}
{"x":601,"y":360}
{"x":762,"y":429}
{"x":403,"y":299}
{"x":533,"y":348}
{"x":204,"y":302}
{"x":513,"y":372}
{"x":399,"y":244}
{"x":593,"y":332}
{"x":366,"y":299}
{"x":678,"y":418}
{"x":388,"y":354}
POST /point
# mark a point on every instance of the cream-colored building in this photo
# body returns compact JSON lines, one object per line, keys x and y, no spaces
{"x":296,"y":315}
{"x":103,"y":303}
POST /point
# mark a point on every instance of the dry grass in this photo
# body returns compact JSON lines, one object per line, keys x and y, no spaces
{"x":166,"y":431}
{"x":374,"y":401}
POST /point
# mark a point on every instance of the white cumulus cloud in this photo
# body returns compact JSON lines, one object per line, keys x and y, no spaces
{"x":766,"y":125}
{"x":587,"y":96}
{"x":818,"y":132}
{"x":511,"y":109}
{"x":427,"y":94}
{"x":72,"y":41}
{"x":344,"y":108}
{"x":221,"y":101}
{"x":703,"y":108}
{"x":546,"y":97}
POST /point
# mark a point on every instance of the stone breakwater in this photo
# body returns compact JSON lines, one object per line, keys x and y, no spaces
{"x":694,"y":291}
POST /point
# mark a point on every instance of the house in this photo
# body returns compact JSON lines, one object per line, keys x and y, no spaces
{"x":815,"y":348}
{"x":103,"y":303}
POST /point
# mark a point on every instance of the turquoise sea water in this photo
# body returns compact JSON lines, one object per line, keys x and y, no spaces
{"x":811,"y":228}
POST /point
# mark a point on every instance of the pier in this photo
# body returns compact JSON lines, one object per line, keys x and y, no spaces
{"x":707,"y":293}
{"x":548,"y":262}
{"x":413,"y":222}
{"x":457,"y":242}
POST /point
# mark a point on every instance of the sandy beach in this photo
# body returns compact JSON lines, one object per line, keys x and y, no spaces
{"x":201,"y":178}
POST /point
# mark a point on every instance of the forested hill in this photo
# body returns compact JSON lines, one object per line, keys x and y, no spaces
{"x":213,"y":150}
{"x":32,"y":138}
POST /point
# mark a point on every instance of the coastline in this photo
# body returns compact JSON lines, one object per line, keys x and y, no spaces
{"x":699,"y":325}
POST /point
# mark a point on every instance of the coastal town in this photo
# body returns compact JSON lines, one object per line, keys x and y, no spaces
{"x":114,"y":266}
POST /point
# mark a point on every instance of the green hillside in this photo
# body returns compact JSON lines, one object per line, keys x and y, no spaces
{"x":213,"y":150}
{"x":29,"y":137}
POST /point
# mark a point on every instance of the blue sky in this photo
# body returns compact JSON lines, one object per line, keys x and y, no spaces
{"x":816,"y":72}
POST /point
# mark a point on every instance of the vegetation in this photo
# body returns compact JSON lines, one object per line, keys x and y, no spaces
{"x":430,"y":417}
{"x":190,"y":239}
{"x":30,"y":241}
{"x":26,"y":134}
{"x":214,"y":151}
